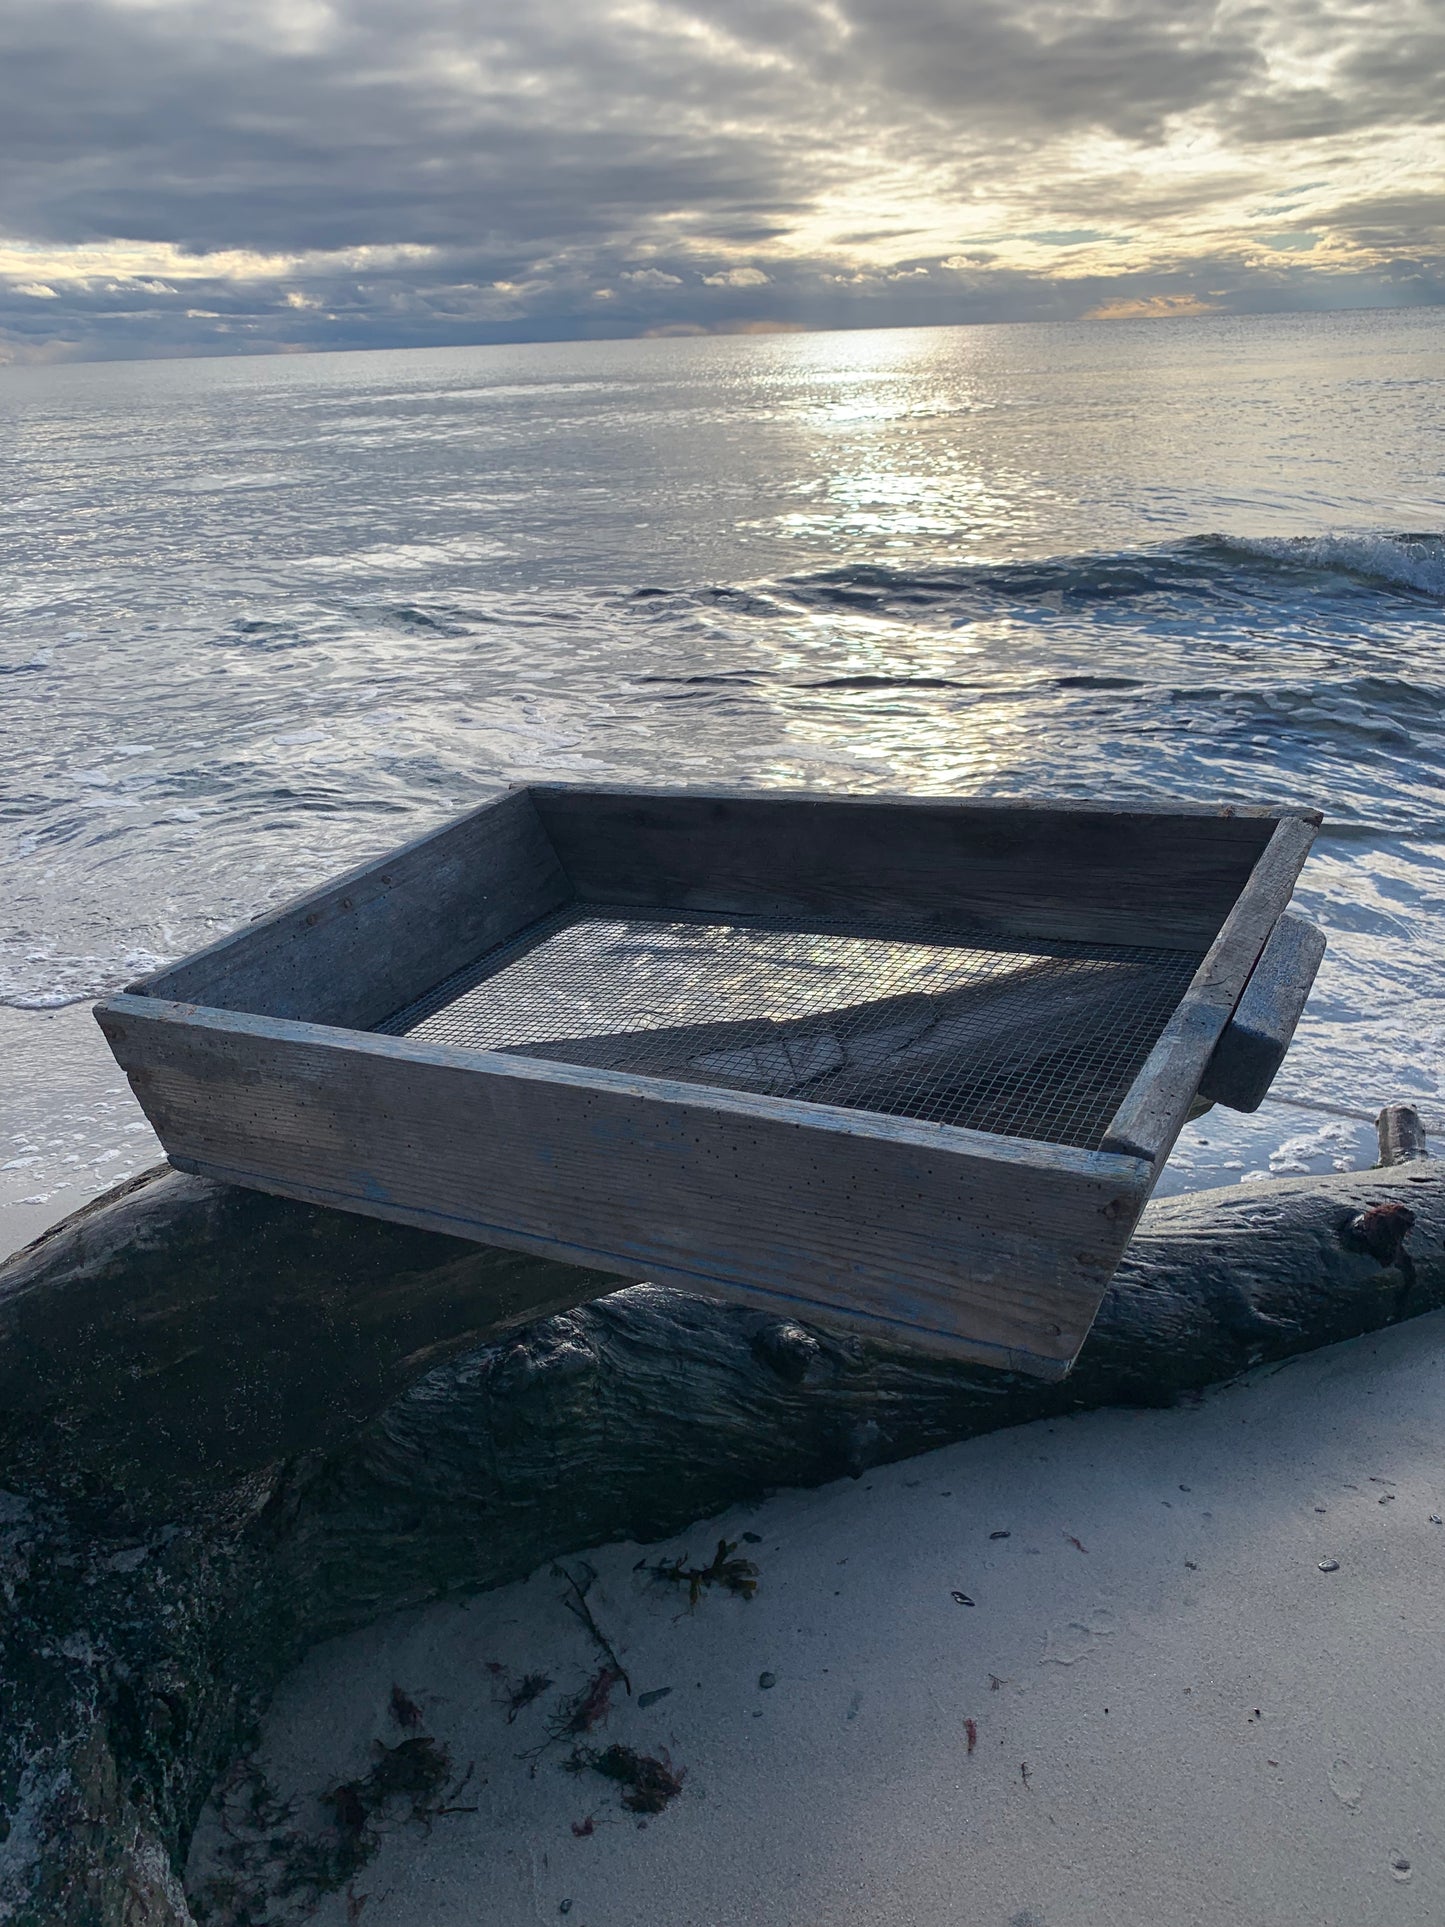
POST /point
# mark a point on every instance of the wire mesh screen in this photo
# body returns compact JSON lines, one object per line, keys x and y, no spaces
{"x":1031,"y":1039}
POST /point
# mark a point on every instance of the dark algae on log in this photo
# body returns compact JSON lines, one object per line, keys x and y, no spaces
{"x":235,"y":1425}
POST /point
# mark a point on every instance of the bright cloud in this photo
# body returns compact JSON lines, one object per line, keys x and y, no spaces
{"x":277,"y":174}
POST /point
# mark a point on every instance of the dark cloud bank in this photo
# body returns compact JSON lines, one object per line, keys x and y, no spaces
{"x":237,"y":175}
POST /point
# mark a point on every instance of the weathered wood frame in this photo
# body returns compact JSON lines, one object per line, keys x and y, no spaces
{"x":257,"y":1064}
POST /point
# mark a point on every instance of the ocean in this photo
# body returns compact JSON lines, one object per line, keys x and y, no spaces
{"x":262,"y":618}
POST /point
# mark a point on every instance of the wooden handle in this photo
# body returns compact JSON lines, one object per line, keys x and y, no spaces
{"x":1252,"y":1048}
{"x":1402,"y":1135}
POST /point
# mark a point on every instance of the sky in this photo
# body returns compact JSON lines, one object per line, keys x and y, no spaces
{"x":182,"y":177}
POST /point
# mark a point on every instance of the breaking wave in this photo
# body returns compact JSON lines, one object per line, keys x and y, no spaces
{"x":1414,"y":564}
{"x":1409,"y":567}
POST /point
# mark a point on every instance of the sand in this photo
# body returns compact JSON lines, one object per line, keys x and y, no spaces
{"x":1191,"y":1722}
{"x":1178,"y":1717}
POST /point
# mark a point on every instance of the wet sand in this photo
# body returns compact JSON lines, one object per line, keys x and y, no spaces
{"x":69,"y":1125}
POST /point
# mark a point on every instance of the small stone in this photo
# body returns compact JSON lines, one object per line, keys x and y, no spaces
{"x":565,"y":1907}
{"x":1436,"y":1520}
{"x":753,"y":1538}
{"x":765,"y":1680}
{"x":1329,"y":1565}
{"x":1399,"y":1866}
{"x":999,"y":1535}
{"x":962,"y":1599}
{"x":651,"y":1699}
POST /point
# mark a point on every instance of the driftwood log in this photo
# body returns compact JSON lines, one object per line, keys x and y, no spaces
{"x":232,"y":1424}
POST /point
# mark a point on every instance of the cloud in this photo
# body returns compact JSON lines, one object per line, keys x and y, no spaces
{"x":1399,"y":219}
{"x":1033,"y":69}
{"x":1152,"y":307}
{"x":676,"y":330}
{"x":193,"y":176}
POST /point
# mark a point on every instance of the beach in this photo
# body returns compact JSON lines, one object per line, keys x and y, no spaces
{"x":1131,"y":1667}
{"x":1125,"y":1668}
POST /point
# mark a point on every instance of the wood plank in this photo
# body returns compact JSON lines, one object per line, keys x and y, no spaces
{"x":1060,"y":870}
{"x":361,"y":947}
{"x":996,"y":805}
{"x":1259,"y":1032}
{"x":989,"y":1247}
{"x":1153,"y":1114}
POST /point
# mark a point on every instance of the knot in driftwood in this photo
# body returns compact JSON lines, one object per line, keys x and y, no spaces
{"x":789,"y":1349}
{"x":1379,"y":1230}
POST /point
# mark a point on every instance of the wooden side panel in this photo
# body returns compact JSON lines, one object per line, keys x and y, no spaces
{"x":986,"y":1247}
{"x":1152,"y":1115}
{"x":1070,"y":871}
{"x":362,"y":947}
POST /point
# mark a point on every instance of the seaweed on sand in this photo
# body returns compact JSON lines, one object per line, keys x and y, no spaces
{"x":649,"y":1783}
{"x":517,"y":1694}
{"x":589,"y":1707}
{"x":739,"y":1576}
{"x":275,"y":1863}
{"x":530,"y":1687}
